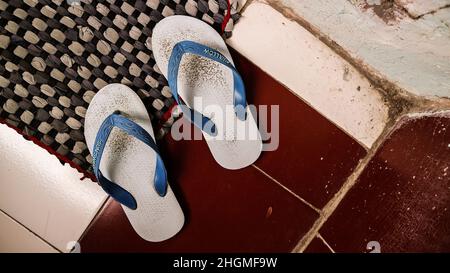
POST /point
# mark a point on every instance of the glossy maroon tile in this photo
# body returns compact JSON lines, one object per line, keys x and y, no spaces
{"x":317,"y":246}
{"x":314,"y":157}
{"x":402,"y":198}
{"x":236,"y":211}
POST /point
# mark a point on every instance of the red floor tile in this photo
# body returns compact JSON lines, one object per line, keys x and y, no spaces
{"x":244,"y":210}
{"x":314,"y":157}
{"x":236,"y":211}
{"x":402,"y":198}
{"x":317,"y":246}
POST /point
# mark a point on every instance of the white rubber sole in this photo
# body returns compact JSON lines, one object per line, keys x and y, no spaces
{"x":131,"y":164}
{"x":238,"y":143}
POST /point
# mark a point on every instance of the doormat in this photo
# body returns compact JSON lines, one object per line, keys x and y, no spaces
{"x":56,"y":54}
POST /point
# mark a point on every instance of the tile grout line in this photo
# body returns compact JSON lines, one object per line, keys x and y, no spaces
{"x":374,"y":78}
{"x":245,"y":6}
{"x":331,"y":206}
{"x":97,"y":213}
{"x":288,"y":190}
{"x":325,"y":242}
{"x":29,"y":230}
{"x":305,"y":101}
{"x":341,"y":128}
{"x":371,"y":151}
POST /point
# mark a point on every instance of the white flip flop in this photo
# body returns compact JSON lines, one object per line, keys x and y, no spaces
{"x":127,"y":164}
{"x":196,"y":62}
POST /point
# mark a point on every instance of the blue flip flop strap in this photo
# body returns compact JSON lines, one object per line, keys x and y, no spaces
{"x":184,"y":47}
{"x":133,"y":129}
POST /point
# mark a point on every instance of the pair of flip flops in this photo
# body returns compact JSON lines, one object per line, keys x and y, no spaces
{"x":127,"y":163}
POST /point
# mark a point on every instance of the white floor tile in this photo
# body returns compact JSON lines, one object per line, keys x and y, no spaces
{"x":420,"y":7}
{"x":43,"y":195}
{"x":412,"y":54}
{"x":14,"y":238}
{"x":313,"y":71}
